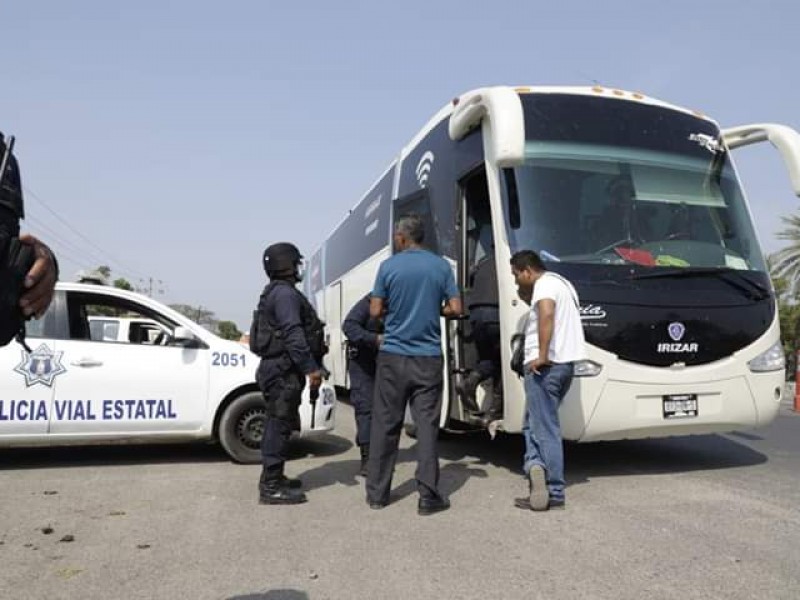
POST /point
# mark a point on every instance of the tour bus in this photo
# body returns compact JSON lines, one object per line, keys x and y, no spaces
{"x":678,"y":310}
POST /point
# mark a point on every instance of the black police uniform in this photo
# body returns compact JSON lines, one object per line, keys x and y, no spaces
{"x":283,"y":324}
{"x":362,"y":333}
{"x":484,"y":317}
{"x":16,"y":258}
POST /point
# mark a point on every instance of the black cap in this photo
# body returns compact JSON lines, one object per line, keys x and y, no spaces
{"x":281,"y":257}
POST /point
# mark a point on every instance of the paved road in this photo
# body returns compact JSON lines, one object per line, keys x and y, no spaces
{"x":701,"y":517}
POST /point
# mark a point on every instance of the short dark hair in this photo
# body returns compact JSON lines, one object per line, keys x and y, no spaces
{"x":527,"y":259}
{"x":412,"y":227}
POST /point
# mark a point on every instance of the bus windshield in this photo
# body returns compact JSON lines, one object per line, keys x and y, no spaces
{"x":647,"y":186}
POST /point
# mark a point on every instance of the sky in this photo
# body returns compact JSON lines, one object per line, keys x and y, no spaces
{"x":173,"y":140}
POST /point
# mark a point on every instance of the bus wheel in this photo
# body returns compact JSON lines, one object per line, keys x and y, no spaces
{"x":242,"y":426}
{"x":411,"y":430}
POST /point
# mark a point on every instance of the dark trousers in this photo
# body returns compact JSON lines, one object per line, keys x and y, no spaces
{"x":485,"y":321}
{"x":362,"y":386}
{"x":401,"y":380}
{"x":282,"y":395}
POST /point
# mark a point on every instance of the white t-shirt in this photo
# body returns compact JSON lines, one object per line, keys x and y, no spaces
{"x":567,"y":343}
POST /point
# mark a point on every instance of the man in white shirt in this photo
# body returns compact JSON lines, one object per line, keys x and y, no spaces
{"x":553,"y":342}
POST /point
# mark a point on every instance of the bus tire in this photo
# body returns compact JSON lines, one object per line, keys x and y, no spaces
{"x":242,"y":426}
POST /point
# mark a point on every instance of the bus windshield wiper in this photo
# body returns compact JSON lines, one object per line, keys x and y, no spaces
{"x":732,"y":277}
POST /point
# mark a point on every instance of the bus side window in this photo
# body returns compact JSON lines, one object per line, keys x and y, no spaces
{"x":418,"y":203}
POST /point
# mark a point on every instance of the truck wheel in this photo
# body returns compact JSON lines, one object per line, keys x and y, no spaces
{"x":242,"y":426}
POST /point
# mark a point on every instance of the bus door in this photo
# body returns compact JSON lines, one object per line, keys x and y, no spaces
{"x":479,"y":378}
{"x":335,"y":338}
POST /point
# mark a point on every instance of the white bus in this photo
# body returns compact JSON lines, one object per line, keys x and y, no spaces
{"x":679,"y":312}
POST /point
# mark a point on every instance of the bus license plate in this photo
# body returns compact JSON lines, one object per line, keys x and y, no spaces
{"x":680,"y":405}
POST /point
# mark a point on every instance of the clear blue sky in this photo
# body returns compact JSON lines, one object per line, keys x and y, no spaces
{"x":174,"y":139}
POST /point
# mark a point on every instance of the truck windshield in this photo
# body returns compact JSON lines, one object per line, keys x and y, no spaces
{"x":616,"y":182}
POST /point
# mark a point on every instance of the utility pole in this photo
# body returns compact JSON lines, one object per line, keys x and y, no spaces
{"x":146,"y":286}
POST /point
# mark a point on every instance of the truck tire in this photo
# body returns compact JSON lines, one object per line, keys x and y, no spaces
{"x":242,"y":426}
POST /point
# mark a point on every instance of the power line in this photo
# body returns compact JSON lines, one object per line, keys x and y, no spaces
{"x":79,"y":234}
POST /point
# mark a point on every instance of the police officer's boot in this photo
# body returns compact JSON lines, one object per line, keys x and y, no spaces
{"x":273,"y":489}
{"x":364,"y":458}
{"x":288,"y":482}
{"x":466,"y":388}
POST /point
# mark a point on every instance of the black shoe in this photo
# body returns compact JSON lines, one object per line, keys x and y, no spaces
{"x":278,"y":494}
{"x":430,"y":506}
{"x":557,"y":504}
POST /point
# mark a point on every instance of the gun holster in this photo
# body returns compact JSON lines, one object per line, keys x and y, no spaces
{"x":16,"y":259}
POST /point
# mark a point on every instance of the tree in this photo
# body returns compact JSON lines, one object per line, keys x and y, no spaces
{"x":228,"y":330}
{"x":788,"y":315}
{"x":785,"y":263}
{"x":123,"y":284}
{"x":198,"y":314}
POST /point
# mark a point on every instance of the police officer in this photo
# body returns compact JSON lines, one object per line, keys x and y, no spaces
{"x":289,"y":337}
{"x":484,"y":317}
{"x":364,"y":337}
{"x":28,"y":268}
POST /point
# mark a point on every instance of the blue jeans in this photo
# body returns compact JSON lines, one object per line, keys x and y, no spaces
{"x":542,"y":429}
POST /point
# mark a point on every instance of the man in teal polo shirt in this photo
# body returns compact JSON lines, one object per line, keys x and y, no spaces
{"x":412,"y":290}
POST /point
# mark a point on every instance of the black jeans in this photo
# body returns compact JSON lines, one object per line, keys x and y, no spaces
{"x":401,"y":380}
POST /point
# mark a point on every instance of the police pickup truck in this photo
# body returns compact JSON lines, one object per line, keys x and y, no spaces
{"x":187,"y":384}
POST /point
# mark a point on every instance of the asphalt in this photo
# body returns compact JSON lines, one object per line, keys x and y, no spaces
{"x":693,"y":517}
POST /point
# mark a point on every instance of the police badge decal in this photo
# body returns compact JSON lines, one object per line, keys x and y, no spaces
{"x":40,"y":366}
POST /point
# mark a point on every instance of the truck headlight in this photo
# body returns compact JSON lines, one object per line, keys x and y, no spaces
{"x":769,"y":360}
{"x":587,"y":368}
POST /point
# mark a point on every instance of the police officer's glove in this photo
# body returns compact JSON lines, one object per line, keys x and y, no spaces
{"x":16,"y":259}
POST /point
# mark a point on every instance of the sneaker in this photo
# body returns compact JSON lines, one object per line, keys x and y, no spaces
{"x":377,"y":504}
{"x":430,"y":506}
{"x":525,"y":504}
{"x":537,"y":488}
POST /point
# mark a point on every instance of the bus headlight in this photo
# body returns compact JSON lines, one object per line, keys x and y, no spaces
{"x":770,"y":360}
{"x":587,"y":368}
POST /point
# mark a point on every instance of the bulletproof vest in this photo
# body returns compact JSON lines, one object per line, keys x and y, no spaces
{"x":266,"y":340}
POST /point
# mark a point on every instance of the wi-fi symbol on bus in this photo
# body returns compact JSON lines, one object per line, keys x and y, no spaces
{"x":424,"y":168}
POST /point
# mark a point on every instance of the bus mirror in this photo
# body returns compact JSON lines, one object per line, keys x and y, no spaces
{"x":784,"y":138}
{"x":505,"y":142}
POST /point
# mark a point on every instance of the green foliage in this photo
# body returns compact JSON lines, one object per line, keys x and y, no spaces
{"x":228,"y":330}
{"x":123,"y":284}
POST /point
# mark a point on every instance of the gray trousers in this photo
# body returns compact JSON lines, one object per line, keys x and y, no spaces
{"x":401,"y":380}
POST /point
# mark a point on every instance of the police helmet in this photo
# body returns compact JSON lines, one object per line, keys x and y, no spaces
{"x":282,"y":259}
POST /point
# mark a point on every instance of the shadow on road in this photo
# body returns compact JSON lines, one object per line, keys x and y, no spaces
{"x":140,"y":453}
{"x":599,"y":459}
